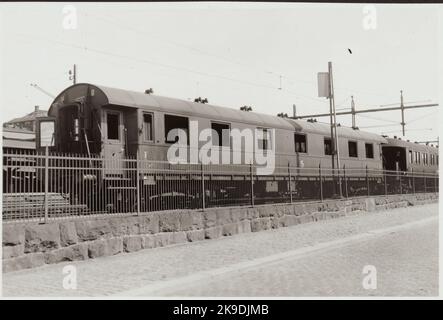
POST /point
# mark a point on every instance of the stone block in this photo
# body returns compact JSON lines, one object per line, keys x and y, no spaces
{"x":68,"y":234}
{"x":179,"y":237}
{"x":97,"y":249}
{"x":230,"y":229}
{"x":169,"y":221}
{"x":149,"y":223}
{"x":13,"y":234}
{"x":88,"y":230}
{"x":162,"y":239}
{"x":71,"y":253}
{"x":113,"y":246}
{"x":195,"y":235}
{"x":191,"y":220}
{"x":370,"y":204}
{"x":252,"y":213}
{"x":119,"y":226}
{"x":26,"y":261}
{"x":132,"y":243}
{"x":214,"y":232}
{"x":148,"y":241}
{"x":260,"y":224}
{"x":13,"y":251}
{"x":244,"y":226}
{"x":42,"y":237}
{"x":223,"y":216}
{"x":209,"y":218}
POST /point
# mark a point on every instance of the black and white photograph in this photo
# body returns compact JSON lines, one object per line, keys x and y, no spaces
{"x":220,"y":150}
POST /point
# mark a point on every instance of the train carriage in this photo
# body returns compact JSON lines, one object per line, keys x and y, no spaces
{"x":119,"y":126}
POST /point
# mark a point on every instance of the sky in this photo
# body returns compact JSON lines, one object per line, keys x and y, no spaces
{"x":233,"y":54}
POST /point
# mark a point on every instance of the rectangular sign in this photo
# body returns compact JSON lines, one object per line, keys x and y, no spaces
{"x":323,"y":84}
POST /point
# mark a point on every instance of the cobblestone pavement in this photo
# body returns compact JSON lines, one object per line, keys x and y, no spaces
{"x":321,"y":258}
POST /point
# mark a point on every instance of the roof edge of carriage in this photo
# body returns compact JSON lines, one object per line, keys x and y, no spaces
{"x":129,"y":98}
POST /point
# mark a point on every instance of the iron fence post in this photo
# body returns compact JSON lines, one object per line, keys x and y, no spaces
{"x":252,"y":184}
{"x":321,"y":181}
{"x":203,"y":187}
{"x":137,"y":181}
{"x":290,"y":181}
{"x":46,"y":182}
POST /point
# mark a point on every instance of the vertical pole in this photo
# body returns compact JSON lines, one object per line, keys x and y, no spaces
{"x":46,"y":182}
{"x":137,"y":181}
{"x":353,"y":112}
{"x":203,"y":187}
{"x":336,"y":150}
{"x":330,"y":115}
{"x":402,"y":108}
{"x":367,"y":181}
{"x":346,"y":180}
{"x":290,"y":181}
{"x":321,"y":181}
{"x":252,"y":184}
{"x":294,"y":111}
{"x":74,"y":77}
{"x":401,"y":189}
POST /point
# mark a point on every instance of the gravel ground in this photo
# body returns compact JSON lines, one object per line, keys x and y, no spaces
{"x":251,"y":265}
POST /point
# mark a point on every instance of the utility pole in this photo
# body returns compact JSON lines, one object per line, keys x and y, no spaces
{"x":73,"y":74}
{"x":330,"y":114}
{"x":353,"y":113}
{"x":402,"y":108}
{"x":336,"y":149}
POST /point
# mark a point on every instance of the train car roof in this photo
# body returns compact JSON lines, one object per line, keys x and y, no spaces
{"x":142,"y":100}
{"x":343,"y":132}
{"x":411,"y":145}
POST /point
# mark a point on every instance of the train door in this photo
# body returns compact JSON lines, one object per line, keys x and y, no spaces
{"x":394,"y":158}
{"x":114,"y":142}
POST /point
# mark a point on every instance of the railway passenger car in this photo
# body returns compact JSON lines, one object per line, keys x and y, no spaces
{"x":116,"y":124}
{"x":401,"y":155}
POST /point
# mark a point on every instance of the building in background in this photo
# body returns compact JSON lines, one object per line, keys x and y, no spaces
{"x":19,"y":133}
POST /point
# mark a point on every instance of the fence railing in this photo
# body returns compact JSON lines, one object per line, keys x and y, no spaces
{"x":45,"y":186}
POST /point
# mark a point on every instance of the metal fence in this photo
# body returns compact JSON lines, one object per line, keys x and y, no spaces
{"x":41,"y":186}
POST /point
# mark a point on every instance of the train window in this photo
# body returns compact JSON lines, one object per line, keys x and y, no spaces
{"x":352,"y":147}
{"x":173,"y":123}
{"x":300,"y":143}
{"x":113,"y":124}
{"x":328,"y":146}
{"x":147,"y":126}
{"x":263,"y":139}
{"x":411,"y":157}
{"x":369,"y":148}
{"x":416,"y":157}
{"x":222,"y":130}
